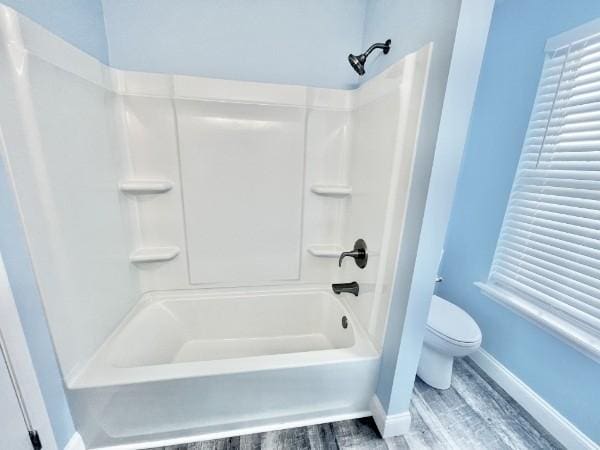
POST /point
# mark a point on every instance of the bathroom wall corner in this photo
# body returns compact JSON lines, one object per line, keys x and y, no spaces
{"x":80,"y":23}
{"x":429,"y":209}
{"x":389,"y":425}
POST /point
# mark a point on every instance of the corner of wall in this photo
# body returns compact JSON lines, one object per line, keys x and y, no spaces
{"x":449,"y":117}
{"x":366,"y":15}
{"x":107,"y":55}
{"x":389,"y":425}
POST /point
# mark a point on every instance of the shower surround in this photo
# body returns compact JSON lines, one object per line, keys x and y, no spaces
{"x":184,"y":233}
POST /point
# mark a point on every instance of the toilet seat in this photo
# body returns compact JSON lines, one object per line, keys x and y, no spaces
{"x":452,"y":324}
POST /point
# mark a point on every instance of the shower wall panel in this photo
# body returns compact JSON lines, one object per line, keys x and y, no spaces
{"x":328,"y":143}
{"x":385,"y":126}
{"x":59,"y":137}
{"x":242,"y":168}
{"x":370,"y":170}
{"x":150,"y":143}
{"x":242,"y":160}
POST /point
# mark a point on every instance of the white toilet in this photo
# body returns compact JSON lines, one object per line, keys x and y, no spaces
{"x":450,"y":332}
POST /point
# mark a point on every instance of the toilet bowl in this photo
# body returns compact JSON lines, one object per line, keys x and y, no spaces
{"x":450,"y":332}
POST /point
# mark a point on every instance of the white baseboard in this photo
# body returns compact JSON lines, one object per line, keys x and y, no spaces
{"x":563,"y":431}
{"x":388,"y":426}
{"x":75,"y":443}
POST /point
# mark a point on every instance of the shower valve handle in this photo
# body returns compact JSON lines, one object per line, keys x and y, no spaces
{"x":359,"y":253}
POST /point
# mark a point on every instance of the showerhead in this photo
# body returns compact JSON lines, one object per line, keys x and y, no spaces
{"x":358,"y":62}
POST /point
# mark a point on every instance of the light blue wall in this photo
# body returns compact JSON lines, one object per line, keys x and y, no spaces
{"x":562,"y":376}
{"x":410,"y":24}
{"x":79,"y":22}
{"x":293,"y":42}
{"x":458,"y":59}
{"x":29,"y":304}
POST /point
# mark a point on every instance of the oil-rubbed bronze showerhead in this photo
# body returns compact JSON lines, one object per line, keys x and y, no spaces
{"x":358,"y":62}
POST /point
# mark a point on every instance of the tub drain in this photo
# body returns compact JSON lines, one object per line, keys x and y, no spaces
{"x":344,"y":322}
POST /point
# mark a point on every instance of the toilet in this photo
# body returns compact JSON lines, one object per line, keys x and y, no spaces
{"x":450,"y":332}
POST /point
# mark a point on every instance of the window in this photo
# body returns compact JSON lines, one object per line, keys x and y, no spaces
{"x":547,"y":260}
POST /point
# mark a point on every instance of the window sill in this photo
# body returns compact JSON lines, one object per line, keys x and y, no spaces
{"x":563,"y":329}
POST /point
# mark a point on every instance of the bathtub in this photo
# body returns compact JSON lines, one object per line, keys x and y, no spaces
{"x":198,"y":365}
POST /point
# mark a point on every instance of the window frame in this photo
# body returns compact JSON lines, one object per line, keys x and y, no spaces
{"x":519,"y":302}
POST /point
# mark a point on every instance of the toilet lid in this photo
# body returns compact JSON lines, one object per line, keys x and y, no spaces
{"x":448,"y":320}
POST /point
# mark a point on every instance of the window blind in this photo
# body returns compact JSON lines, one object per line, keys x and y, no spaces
{"x":547,"y":259}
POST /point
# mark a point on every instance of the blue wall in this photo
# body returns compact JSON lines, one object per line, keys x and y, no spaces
{"x":293,"y":42}
{"x":79,"y":22}
{"x":29,"y":304}
{"x":561,"y":375}
{"x":410,"y":24}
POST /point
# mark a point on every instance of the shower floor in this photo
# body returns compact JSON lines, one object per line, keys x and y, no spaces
{"x":215,"y":349}
{"x":475,"y":413}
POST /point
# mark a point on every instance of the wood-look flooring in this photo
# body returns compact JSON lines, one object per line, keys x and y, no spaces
{"x":475,"y":413}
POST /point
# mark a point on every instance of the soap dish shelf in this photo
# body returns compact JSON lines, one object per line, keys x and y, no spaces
{"x":153,"y":254}
{"x":332,"y":190}
{"x":140,"y":187}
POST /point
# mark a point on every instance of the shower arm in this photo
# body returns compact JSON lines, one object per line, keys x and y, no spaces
{"x":385,"y":47}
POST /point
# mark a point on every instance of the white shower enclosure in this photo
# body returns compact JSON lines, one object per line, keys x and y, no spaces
{"x":185,"y":231}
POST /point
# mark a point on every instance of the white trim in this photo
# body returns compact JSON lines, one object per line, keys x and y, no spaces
{"x":75,"y":443}
{"x":233,"y":432}
{"x":557,"y":425}
{"x":571,"y":334}
{"x":392,"y":425}
{"x":574,"y":35}
{"x":14,"y":339}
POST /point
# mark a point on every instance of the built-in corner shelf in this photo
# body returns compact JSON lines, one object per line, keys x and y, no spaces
{"x":325,"y":251}
{"x":153,"y":254}
{"x":139,"y":187}
{"x":333,"y":190}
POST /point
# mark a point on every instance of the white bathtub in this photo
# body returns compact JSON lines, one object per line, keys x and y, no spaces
{"x":188,"y":365}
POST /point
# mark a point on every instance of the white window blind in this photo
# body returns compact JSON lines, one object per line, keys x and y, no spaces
{"x":547,"y":260}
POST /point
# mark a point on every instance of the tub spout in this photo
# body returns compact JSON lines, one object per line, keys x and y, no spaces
{"x":351,"y":288}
